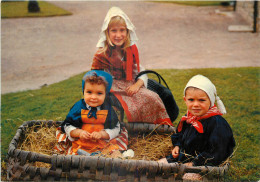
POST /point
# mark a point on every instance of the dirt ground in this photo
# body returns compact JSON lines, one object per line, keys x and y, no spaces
{"x":38,"y":51}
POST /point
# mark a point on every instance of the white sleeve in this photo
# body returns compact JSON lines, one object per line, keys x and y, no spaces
{"x":113,"y":133}
{"x":68,"y":129}
{"x":144,"y":77}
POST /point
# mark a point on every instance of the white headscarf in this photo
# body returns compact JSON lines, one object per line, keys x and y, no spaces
{"x":115,"y":11}
{"x":203,"y":83}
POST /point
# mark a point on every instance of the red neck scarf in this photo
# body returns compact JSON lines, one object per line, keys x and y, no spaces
{"x":194,"y":120}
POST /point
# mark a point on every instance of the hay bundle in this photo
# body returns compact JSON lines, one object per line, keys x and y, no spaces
{"x":42,"y":139}
{"x":150,"y":147}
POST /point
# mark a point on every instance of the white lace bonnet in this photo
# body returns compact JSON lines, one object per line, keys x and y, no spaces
{"x":115,"y":11}
{"x":203,"y":83}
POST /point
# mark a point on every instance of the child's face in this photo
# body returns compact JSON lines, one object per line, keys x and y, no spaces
{"x":197,"y":101}
{"x":117,"y":34}
{"x":94,"y":94}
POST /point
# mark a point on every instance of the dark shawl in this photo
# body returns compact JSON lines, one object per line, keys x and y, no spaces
{"x":212,"y":147}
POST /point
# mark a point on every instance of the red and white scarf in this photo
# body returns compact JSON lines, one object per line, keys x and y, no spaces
{"x":195,"y":120}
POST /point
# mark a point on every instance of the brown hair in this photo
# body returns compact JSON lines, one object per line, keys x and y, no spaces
{"x":94,"y":79}
{"x":108,"y":44}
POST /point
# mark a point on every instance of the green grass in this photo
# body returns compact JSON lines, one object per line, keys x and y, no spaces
{"x":194,"y":3}
{"x":238,"y":88}
{"x":19,"y":9}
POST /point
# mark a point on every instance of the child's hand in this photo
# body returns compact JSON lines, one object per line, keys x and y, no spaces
{"x":133,"y":89}
{"x":84,"y":135}
{"x":96,"y":135}
{"x":175,"y":152}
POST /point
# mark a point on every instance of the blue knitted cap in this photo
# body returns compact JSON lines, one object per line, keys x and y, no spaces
{"x":104,"y":75}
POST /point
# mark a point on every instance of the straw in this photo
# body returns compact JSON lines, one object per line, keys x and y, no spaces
{"x":42,"y":139}
{"x":152,"y":147}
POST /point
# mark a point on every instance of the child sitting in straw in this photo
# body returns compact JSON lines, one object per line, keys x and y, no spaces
{"x":92,"y":124}
{"x":203,"y":136}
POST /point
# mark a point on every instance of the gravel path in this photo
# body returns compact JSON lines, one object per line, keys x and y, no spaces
{"x":38,"y":51}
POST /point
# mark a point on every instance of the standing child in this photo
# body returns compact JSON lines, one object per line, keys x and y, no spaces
{"x":203,"y":136}
{"x":118,"y":55}
{"x":92,"y":124}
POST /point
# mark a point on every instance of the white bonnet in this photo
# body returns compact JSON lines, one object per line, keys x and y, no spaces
{"x":203,"y":83}
{"x":115,"y":11}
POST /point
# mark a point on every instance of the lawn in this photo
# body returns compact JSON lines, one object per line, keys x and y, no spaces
{"x":195,"y":3}
{"x":18,"y":9}
{"x":237,"y":87}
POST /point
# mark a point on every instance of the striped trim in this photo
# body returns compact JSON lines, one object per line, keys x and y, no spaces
{"x":64,"y":146}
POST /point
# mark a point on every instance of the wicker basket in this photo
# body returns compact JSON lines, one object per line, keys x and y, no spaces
{"x":86,"y":168}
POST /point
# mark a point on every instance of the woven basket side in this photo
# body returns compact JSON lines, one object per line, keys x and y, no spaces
{"x":78,"y":168}
{"x":107,"y":169}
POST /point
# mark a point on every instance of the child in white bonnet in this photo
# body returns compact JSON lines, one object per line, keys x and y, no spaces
{"x":203,"y":136}
{"x":118,"y":54}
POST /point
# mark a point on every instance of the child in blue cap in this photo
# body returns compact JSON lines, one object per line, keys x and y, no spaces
{"x":91,"y":124}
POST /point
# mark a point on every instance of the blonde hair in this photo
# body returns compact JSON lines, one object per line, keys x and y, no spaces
{"x":192,"y":88}
{"x":116,"y":20}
